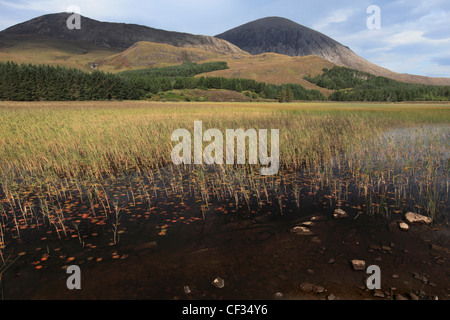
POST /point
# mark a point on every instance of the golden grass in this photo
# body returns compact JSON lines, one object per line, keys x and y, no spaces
{"x":105,"y":157}
{"x":78,"y":138}
{"x":274,"y":68}
{"x":151,"y":55}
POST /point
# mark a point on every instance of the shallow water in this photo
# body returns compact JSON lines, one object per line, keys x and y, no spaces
{"x":213,"y":220}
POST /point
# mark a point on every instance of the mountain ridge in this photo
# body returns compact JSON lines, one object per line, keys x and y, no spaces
{"x":112,"y":35}
{"x":46,"y":39}
{"x":283,"y":36}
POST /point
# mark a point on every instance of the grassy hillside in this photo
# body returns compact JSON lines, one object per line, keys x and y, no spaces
{"x":151,"y":55}
{"x":275,"y":68}
{"x":70,"y":54}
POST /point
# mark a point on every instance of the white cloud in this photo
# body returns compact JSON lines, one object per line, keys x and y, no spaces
{"x":337,"y":16}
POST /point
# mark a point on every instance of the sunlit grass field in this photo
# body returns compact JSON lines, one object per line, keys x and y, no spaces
{"x":389,"y":157}
{"x":73,"y":139}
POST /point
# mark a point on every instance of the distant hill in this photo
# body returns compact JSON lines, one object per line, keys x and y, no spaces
{"x":113,"y":35}
{"x":47,"y":39}
{"x":283,"y":36}
{"x":118,"y":46}
{"x":274,"y":68}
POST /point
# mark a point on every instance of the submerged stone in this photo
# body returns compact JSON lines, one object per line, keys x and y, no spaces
{"x":412,"y":217}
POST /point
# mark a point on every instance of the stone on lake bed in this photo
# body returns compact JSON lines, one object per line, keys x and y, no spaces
{"x":302,"y":231}
{"x":278,"y":296}
{"x":187,"y":290}
{"x":306,"y":287}
{"x":219,"y":283}
{"x":340,"y":214}
{"x":317,"y":218}
{"x":359,"y":265}
{"x":403,"y":226}
{"x":378,"y":294}
{"x":319,"y":289}
{"x":412,"y":217}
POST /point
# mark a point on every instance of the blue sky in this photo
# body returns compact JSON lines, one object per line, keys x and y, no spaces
{"x":414,"y":36}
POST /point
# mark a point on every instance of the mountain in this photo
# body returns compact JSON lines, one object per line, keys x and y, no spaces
{"x":119,"y":46}
{"x":113,"y":35}
{"x":47,"y":39}
{"x":283,"y":36}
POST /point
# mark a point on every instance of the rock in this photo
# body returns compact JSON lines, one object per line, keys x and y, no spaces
{"x":359,"y":265}
{"x":310,"y":271}
{"x":318,"y":289}
{"x":318,"y":218}
{"x":219,"y":283}
{"x":403,"y":226}
{"x":331,"y":261}
{"x":378,"y":294}
{"x":395,"y":276}
{"x":400,"y":297}
{"x":331,"y":297}
{"x":412,"y":217}
{"x":302,"y":231}
{"x":306,"y":287}
{"x":340,"y":214}
{"x":278,"y":296}
{"x":386,"y":248}
{"x":413,"y":296}
{"x":308,"y":224}
{"x":187,"y":290}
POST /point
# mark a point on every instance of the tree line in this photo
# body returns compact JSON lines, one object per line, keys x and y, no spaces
{"x":28,"y":82}
{"x":354,"y":85}
{"x":155,"y":80}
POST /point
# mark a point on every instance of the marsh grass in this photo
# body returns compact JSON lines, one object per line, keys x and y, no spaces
{"x":62,"y":164}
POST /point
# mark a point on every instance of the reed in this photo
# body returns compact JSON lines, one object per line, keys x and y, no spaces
{"x":109,"y":156}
